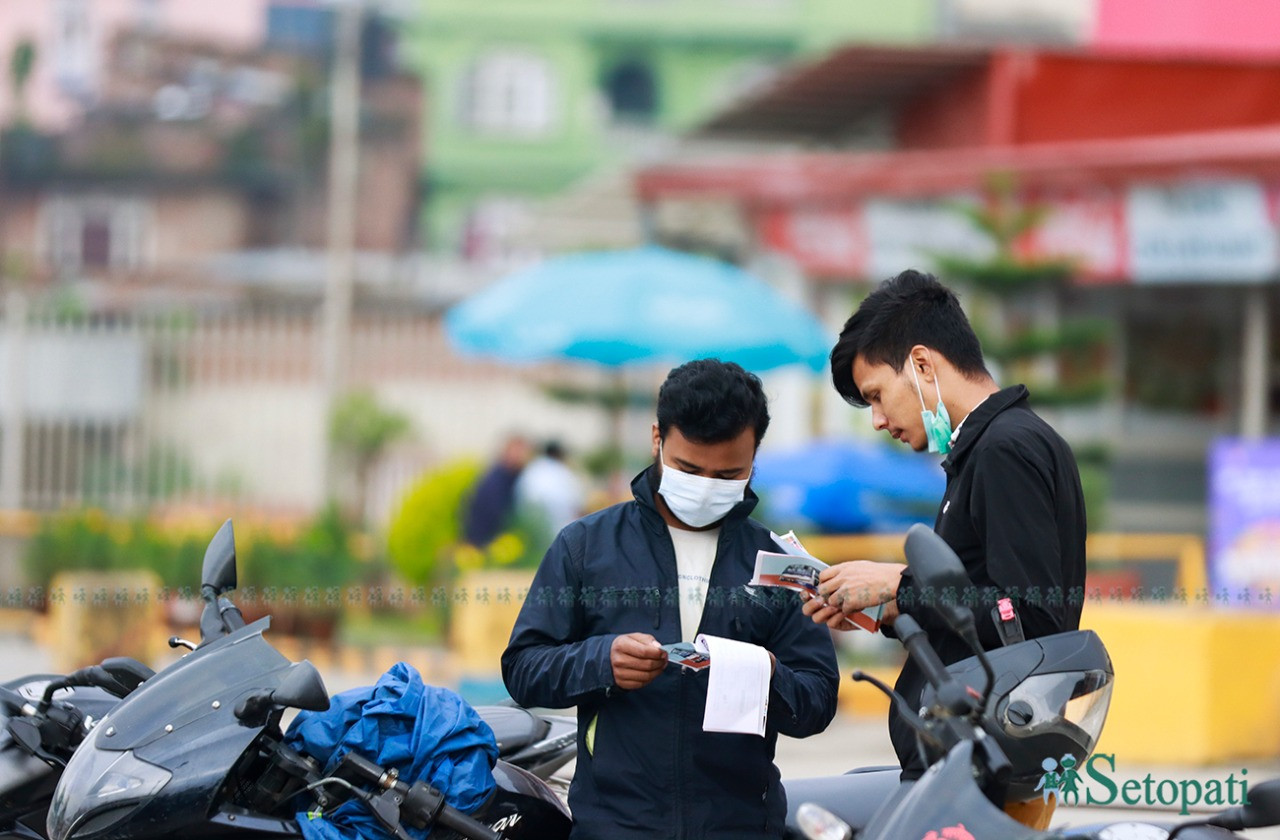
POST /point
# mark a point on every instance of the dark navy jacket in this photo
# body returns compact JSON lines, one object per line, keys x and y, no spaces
{"x":653,"y":771}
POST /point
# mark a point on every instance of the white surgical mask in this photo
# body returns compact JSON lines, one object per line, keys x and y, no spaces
{"x":696,"y":500}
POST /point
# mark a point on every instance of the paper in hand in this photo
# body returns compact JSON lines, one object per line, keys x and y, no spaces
{"x":738,"y":686}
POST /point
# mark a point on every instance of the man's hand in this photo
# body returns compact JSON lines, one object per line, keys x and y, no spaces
{"x":848,"y":587}
{"x":637,"y":659}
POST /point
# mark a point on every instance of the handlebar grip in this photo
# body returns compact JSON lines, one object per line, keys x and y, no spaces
{"x":451,"y":817}
{"x":917,"y":645}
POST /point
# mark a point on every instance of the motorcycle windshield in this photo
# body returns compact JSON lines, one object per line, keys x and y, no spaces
{"x":208,"y":682}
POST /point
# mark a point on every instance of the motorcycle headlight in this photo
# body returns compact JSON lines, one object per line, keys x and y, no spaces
{"x":98,"y":789}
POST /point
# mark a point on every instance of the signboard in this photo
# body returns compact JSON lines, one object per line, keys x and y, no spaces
{"x":1244,"y":523}
{"x":1205,"y":231}
{"x":1202,"y":231}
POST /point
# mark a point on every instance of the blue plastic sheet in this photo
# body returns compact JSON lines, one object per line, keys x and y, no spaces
{"x":424,"y":731}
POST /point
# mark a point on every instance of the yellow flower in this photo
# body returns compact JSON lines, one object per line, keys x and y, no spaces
{"x":506,"y":549}
{"x":468,"y":558}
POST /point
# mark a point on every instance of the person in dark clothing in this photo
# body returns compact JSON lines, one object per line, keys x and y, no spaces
{"x":493,"y":499}
{"x":671,"y":564}
{"x":1013,"y":509}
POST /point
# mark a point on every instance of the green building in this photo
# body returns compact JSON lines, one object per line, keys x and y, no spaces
{"x":524,"y":98}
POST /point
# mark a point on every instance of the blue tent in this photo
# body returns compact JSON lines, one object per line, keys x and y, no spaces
{"x":849,"y":486}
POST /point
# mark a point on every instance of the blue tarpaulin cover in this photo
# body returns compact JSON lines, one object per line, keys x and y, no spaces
{"x":423,"y":731}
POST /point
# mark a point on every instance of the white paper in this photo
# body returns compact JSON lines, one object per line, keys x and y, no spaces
{"x":737,"y":686}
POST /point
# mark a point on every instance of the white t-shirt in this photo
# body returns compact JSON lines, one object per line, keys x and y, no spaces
{"x":695,"y":554}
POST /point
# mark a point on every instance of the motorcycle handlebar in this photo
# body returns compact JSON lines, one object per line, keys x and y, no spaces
{"x":951,"y":695}
{"x":451,"y":817}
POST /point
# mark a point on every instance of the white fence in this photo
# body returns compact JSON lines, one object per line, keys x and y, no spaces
{"x":132,"y":412}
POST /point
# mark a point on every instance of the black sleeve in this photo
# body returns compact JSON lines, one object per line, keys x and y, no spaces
{"x":549,"y":661}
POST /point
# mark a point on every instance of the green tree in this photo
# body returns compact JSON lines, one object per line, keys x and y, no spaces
{"x":361,"y":430}
{"x":21,"y":63}
{"x":1016,"y":313}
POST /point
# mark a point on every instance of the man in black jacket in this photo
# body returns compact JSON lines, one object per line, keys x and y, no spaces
{"x":672,"y":563}
{"x":1013,"y":509}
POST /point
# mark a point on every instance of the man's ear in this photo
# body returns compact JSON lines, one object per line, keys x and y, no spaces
{"x":922,"y":360}
{"x":657,"y":439}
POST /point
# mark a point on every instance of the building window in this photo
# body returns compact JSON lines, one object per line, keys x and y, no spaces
{"x":508,"y":93}
{"x":93,"y":234}
{"x":74,"y":61}
{"x":632,"y":91}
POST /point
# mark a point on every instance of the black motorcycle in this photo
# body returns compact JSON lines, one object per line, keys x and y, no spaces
{"x":964,"y":733}
{"x":198,"y":751}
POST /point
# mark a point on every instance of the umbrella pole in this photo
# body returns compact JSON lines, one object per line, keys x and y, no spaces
{"x":617,"y":417}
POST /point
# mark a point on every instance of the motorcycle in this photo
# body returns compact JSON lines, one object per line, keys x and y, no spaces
{"x":43,"y":718}
{"x":198,"y":750}
{"x":963,"y":732}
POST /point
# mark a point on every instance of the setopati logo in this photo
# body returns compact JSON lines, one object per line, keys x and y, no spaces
{"x":1064,"y":781}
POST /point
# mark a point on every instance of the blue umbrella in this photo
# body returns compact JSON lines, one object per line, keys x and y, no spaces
{"x":642,"y":306}
{"x":848,"y":486}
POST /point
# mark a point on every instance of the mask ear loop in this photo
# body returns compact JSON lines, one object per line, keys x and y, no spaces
{"x":916,"y":377}
{"x":936,"y":386}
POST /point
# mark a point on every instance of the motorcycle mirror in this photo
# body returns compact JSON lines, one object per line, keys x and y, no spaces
{"x":219,"y":570}
{"x":932,"y":561}
{"x":937,"y":569}
{"x":302,"y":688}
{"x":26,"y":733}
{"x":127,"y":671}
{"x":1263,"y":809}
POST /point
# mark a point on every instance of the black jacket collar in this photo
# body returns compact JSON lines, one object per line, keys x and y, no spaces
{"x":645,"y":485}
{"x":978,"y":420}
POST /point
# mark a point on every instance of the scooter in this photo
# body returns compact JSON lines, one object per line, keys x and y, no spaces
{"x":198,"y":751}
{"x":962,"y":731}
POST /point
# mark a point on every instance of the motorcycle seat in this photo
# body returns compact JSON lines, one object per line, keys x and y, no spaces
{"x":853,"y":797}
{"x":514,"y":728}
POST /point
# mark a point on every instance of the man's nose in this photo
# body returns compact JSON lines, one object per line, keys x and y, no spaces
{"x":878,"y":421}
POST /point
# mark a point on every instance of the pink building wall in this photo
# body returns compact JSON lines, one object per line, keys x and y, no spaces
{"x":71,"y":37}
{"x":1205,"y":27}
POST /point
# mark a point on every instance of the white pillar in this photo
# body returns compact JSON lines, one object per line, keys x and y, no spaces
{"x":1255,"y":377}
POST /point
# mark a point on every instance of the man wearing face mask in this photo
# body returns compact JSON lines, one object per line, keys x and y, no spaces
{"x":1013,"y":509}
{"x":670,"y":564}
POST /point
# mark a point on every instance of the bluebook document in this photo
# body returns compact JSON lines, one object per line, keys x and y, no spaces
{"x":795,"y":568}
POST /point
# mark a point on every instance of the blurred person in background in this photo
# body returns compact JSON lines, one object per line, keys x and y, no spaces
{"x":1013,"y":509}
{"x":660,"y":569}
{"x":550,"y":490}
{"x":490,"y":508}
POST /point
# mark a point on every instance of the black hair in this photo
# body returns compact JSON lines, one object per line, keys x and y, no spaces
{"x":909,"y":309}
{"x":711,"y":401}
{"x":554,"y":449}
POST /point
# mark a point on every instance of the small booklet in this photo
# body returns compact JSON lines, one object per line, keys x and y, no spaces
{"x":799,"y":570}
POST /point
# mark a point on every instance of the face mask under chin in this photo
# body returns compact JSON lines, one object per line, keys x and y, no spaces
{"x":937,"y":423}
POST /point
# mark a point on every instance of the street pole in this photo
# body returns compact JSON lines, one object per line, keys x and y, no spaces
{"x":13,"y":448}
{"x":343,"y":164}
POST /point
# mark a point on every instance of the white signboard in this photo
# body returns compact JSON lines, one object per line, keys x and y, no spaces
{"x":1201,"y":232}
{"x":906,"y":234}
